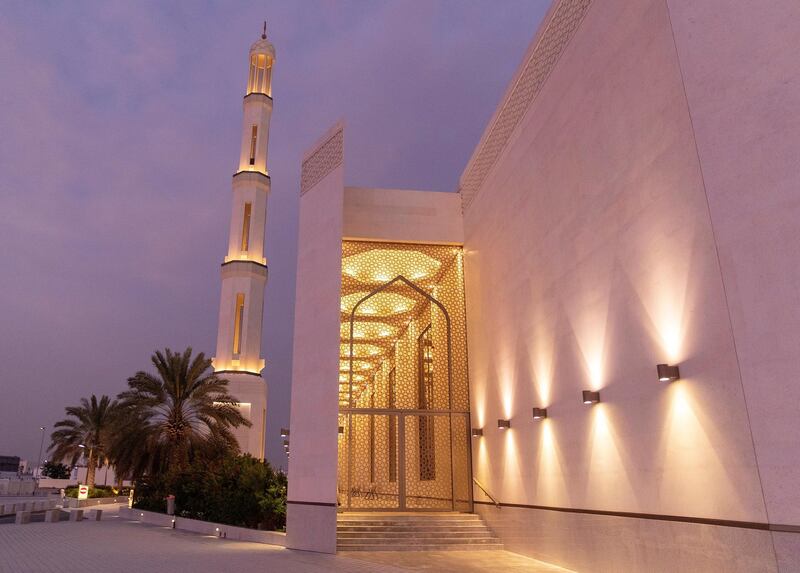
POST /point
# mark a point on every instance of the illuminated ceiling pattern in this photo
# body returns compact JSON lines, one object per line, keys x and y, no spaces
{"x":382,"y":318}
{"x":380,"y":304}
{"x":379,"y":266}
{"x":367,"y":330}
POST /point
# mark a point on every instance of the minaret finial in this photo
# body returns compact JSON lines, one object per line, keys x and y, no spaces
{"x":264,"y":33}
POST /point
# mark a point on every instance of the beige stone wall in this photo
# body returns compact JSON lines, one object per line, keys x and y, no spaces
{"x":311,"y":513}
{"x":402,"y":216}
{"x":592,"y":255}
{"x":741,"y":75}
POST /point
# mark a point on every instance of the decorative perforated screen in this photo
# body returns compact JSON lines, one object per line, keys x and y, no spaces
{"x":403,"y":388}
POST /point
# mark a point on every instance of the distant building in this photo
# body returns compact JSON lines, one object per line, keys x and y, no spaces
{"x":9,"y":466}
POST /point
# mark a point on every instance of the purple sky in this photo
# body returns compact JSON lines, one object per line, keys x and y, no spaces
{"x":120,"y":130}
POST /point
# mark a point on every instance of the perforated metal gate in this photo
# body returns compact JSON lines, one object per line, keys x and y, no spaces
{"x":402,"y":474}
{"x":404,"y":441}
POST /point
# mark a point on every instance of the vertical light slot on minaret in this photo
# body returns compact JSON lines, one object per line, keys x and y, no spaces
{"x":262,"y":68}
{"x":268,"y":79}
{"x":251,"y":85}
{"x":253,"y":139}
{"x":237,"y":325}
{"x":263,"y":431}
{"x":248,"y":207}
{"x":259,"y":74}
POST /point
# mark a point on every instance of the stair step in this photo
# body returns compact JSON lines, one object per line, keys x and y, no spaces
{"x":408,"y":521}
{"x":409,"y":528}
{"x":422,"y":540}
{"x":416,"y":534}
{"x":415,"y":517}
{"x":434,"y":531}
{"x":431,"y":547}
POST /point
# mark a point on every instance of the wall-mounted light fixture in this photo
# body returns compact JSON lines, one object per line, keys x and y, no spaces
{"x":591,"y":397}
{"x":341,"y":430}
{"x":539,"y":413}
{"x":284,"y":432}
{"x":477,"y":432}
{"x":667,"y":373}
{"x":503,"y":424}
{"x":286,"y":444}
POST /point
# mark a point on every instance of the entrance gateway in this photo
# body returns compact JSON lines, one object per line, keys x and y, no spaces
{"x":404,"y":441}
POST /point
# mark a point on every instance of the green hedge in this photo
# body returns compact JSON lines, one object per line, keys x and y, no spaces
{"x":239,"y":491}
{"x":98,"y":491}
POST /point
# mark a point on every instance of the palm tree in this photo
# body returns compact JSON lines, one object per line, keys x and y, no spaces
{"x":182,"y":413}
{"x":87,"y":428}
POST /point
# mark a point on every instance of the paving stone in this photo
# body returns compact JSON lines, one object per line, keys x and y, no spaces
{"x":131,"y":547}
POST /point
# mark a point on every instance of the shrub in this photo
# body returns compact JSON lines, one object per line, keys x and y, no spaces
{"x":237,"y":490}
{"x":98,"y":491}
{"x":55,"y":470}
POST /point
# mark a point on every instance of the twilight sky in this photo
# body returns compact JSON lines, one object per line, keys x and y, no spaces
{"x":120,"y":129}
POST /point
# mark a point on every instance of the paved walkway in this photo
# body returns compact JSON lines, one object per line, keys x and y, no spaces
{"x":123,"y":546}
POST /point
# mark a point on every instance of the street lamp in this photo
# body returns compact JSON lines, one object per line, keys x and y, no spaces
{"x":39,"y":459}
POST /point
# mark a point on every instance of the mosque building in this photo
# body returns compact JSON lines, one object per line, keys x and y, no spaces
{"x":586,"y":353}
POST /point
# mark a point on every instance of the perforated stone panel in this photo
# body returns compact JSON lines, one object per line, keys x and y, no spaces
{"x":543,"y":58}
{"x":325,"y":159}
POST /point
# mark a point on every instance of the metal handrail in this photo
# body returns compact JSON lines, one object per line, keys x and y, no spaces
{"x":484,"y":490}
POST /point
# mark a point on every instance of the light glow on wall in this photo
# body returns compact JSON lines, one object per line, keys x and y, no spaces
{"x":662,"y":285}
{"x":608,"y":479}
{"x":550,"y":482}
{"x":512,"y":479}
{"x":542,"y":365}
{"x":691,"y":461}
{"x":588,"y":317}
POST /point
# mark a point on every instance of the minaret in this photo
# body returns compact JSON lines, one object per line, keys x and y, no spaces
{"x":244,"y":271}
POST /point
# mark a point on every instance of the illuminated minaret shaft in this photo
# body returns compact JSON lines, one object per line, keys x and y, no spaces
{"x":244,"y":271}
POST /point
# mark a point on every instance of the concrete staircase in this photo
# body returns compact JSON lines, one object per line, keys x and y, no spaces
{"x":370,"y":531}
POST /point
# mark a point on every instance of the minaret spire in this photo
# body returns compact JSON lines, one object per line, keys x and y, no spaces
{"x":244,"y":271}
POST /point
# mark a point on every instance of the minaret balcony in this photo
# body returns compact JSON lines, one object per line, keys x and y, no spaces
{"x":236,"y":366}
{"x":246,"y":258}
{"x":258,"y":97}
{"x":250,"y":269}
{"x":252,"y":177}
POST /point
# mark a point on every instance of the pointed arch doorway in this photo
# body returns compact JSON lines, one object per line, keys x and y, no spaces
{"x":404,"y":425}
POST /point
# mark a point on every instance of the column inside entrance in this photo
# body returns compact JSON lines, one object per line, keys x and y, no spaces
{"x":403,"y":388}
